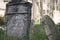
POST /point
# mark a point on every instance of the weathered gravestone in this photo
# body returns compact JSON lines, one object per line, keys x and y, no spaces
{"x":18,"y":17}
{"x":50,"y":28}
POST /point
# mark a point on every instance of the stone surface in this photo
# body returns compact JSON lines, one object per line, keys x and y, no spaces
{"x":18,"y":17}
{"x":17,"y":25}
{"x":50,"y":28}
{"x":22,"y":8}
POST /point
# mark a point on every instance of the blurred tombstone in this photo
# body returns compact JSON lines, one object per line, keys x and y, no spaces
{"x":50,"y":28}
{"x":18,"y":17}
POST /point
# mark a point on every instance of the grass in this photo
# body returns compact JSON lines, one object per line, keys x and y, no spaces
{"x":36,"y":33}
{"x":39,"y":34}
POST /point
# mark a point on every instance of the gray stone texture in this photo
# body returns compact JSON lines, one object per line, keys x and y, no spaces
{"x":50,"y":28}
{"x":18,"y":17}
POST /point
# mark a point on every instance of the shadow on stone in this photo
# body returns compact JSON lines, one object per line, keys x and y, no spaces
{"x":50,"y":28}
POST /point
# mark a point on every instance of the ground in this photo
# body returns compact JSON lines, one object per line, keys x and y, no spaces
{"x":34,"y":35}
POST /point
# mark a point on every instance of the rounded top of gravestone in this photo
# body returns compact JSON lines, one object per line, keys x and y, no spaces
{"x":18,"y":2}
{"x":47,"y":20}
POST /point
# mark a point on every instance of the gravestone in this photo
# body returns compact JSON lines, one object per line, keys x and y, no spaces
{"x":50,"y":28}
{"x":18,"y":17}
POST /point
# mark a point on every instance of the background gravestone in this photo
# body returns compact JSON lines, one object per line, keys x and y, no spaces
{"x":50,"y":28}
{"x":18,"y":17}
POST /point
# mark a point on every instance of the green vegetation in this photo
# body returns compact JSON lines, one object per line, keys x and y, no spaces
{"x":39,"y":35}
{"x":35,"y":34}
{"x":2,"y":22}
